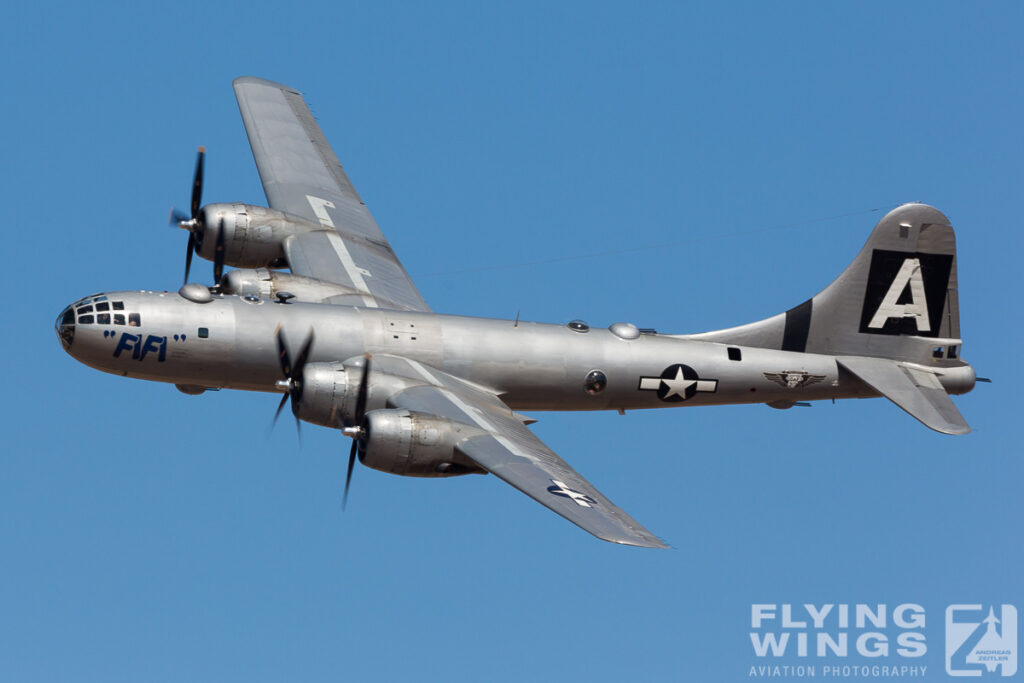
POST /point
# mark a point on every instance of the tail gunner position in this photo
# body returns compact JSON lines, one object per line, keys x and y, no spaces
{"x":347,"y":339}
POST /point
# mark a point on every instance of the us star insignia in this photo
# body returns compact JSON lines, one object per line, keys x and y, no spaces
{"x":678,"y":383}
{"x":793,"y":379}
{"x":560,"y":489}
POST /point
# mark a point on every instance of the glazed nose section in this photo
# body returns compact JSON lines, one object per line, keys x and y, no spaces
{"x":65,"y":328}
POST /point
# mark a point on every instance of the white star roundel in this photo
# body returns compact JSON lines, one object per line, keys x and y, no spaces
{"x":678,"y":383}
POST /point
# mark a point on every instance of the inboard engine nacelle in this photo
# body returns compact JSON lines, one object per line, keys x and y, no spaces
{"x":269,"y":284}
{"x":252,"y":235}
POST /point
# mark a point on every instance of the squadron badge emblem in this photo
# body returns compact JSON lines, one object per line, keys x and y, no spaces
{"x":793,"y":379}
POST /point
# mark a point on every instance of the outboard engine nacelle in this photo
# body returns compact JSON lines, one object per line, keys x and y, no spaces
{"x":252,"y":235}
{"x":416,"y":445}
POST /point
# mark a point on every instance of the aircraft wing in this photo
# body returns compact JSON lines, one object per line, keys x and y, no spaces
{"x":302,"y":176}
{"x":510,"y":451}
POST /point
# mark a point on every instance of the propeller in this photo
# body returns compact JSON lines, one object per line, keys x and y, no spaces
{"x":192,"y":222}
{"x":356,"y":430}
{"x":292,"y":382}
{"x":218,"y":253}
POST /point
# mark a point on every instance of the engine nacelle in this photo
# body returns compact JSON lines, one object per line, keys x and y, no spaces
{"x":253,"y":235}
{"x":415,"y":445}
{"x":266,"y":284}
{"x":396,"y":441}
{"x":325,"y":388}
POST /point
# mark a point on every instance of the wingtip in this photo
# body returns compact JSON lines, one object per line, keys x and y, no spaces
{"x":254,"y":80}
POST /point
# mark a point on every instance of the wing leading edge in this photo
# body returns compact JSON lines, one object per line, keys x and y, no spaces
{"x":510,"y":451}
{"x":302,"y":176}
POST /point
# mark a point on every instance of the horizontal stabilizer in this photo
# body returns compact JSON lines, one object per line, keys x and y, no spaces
{"x":914,"y":389}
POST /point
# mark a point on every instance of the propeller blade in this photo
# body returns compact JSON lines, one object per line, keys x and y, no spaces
{"x":292,"y":375}
{"x":361,"y":397}
{"x":348,"y":476}
{"x":364,"y":387}
{"x":300,"y":364}
{"x":218,"y":254}
{"x":191,"y":247}
{"x":282,"y":354}
{"x":197,"y":182}
{"x":280,"y":407}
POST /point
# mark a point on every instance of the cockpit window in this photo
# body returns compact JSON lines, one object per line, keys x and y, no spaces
{"x":100,"y":298}
{"x":118,"y":305}
{"x":134,"y":320}
{"x":103,"y":319}
{"x":68,"y":318}
{"x":105,"y":306}
{"x":84,"y":309}
{"x":85,"y":320}
{"x":119,"y":318}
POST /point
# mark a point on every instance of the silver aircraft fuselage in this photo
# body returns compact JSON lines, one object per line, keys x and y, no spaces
{"x":229,"y":342}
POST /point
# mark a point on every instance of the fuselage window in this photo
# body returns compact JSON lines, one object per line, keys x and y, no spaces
{"x":119,"y":318}
{"x":204,"y":332}
{"x":103,"y":319}
{"x":134,"y":320}
{"x":595,"y":382}
{"x":118,"y":305}
{"x":85,"y":320}
{"x":734,"y":353}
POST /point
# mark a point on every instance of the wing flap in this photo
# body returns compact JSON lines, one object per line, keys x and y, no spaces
{"x":369,"y":269}
{"x":914,"y":389}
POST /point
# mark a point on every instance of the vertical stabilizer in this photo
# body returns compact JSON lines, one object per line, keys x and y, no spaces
{"x":898,"y":299}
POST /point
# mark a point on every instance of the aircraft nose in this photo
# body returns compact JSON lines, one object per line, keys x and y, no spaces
{"x":65,"y":328}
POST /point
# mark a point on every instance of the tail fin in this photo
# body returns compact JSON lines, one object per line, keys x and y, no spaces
{"x":897,"y":300}
{"x":891,"y":318}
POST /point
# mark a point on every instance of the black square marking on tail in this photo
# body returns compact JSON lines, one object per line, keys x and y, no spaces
{"x":886,"y":265}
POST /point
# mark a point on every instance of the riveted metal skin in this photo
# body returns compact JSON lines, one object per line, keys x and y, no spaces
{"x":532,"y":366}
{"x":416,"y":445}
{"x":253,"y":235}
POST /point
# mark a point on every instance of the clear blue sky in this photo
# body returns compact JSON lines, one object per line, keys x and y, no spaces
{"x":750,"y":148}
